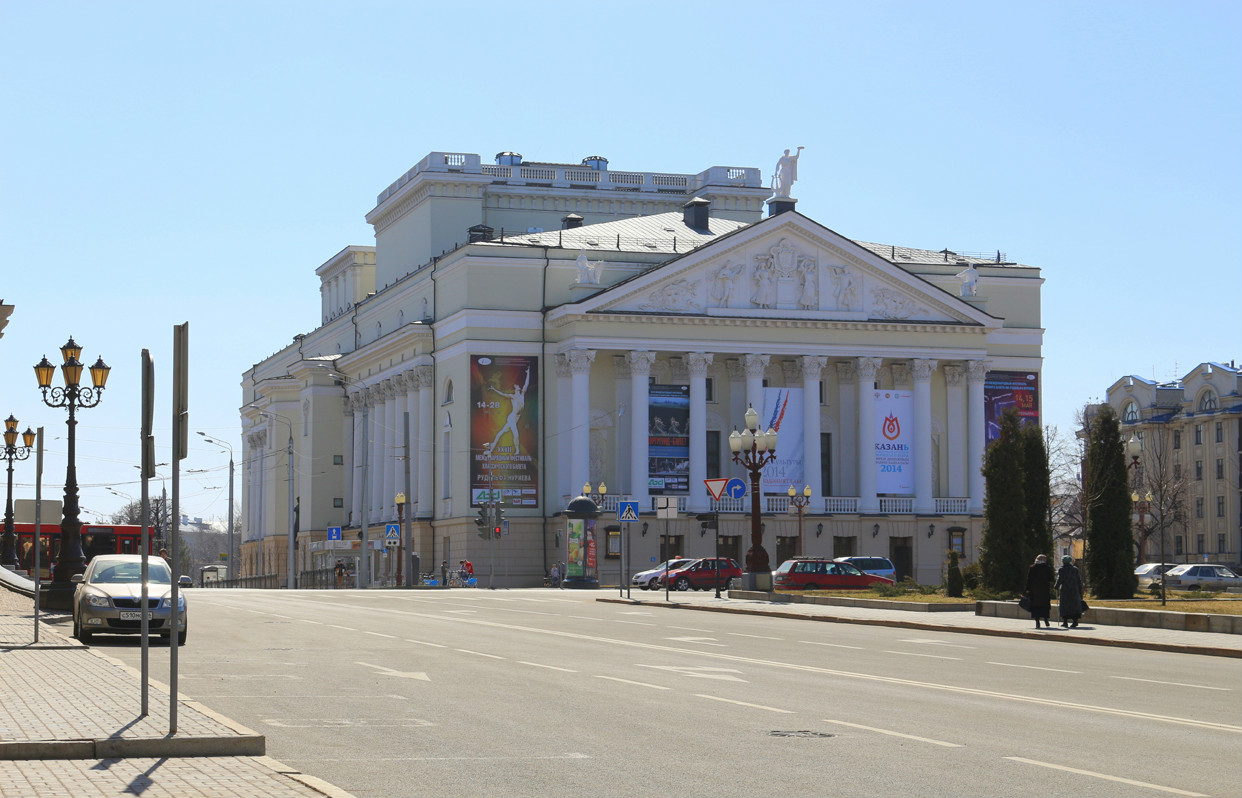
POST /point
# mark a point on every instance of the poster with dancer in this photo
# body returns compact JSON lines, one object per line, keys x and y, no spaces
{"x":504,"y":429}
{"x":668,"y":439}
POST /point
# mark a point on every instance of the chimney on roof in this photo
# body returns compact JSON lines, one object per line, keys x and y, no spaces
{"x":597,"y":162}
{"x":480,"y":232}
{"x":571,"y":221}
{"x":695,"y":213}
{"x":508,"y":158}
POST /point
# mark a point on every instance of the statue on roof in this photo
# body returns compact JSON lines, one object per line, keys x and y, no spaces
{"x":786,"y":173}
{"x":589,"y":273}
{"x":969,"y":278}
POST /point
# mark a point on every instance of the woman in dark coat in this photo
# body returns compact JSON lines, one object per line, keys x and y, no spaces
{"x":1069,"y":582}
{"x":1038,"y":590}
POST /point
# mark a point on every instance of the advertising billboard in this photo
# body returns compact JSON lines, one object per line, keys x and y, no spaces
{"x":782,"y":411}
{"x":504,"y":419}
{"x":1009,"y":389}
{"x":894,"y":442}
{"x":668,"y":439}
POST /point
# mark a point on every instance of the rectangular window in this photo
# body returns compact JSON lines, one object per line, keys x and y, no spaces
{"x":1177,"y":546}
{"x":1198,"y":434}
{"x":338,"y":503}
{"x":1220,"y":506}
{"x":1198,"y":469}
{"x":1220,"y":468}
{"x":1198,"y":544}
{"x":713,"y":454}
{"x":1177,"y":470}
{"x":1177,"y":439}
{"x":710,"y":389}
{"x":825,"y":464}
{"x":1220,"y":543}
{"x":338,"y":459}
{"x":821,"y":393}
{"x":1199,"y":507}
{"x":957,"y":541}
{"x":1220,"y":432}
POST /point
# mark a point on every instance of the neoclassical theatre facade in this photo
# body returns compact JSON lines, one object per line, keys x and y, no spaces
{"x":520,"y":331}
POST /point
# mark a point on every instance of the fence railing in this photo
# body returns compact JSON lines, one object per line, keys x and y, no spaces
{"x":262,"y":582}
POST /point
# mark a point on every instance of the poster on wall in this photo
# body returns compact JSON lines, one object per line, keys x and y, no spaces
{"x":1009,"y":389}
{"x":782,"y":411}
{"x":668,"y":439}
{"x":576,"y":530}
{"x":504,"y":418}
{"x":894,"y":439}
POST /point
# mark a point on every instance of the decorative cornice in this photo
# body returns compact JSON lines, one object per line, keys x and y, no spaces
{"x":870,"y":325}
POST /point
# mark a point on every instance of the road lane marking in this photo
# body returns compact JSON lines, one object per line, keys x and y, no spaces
{"x":931,"y":642}
{"x":1174,"y":684}
{"x":1042,"y":701}
{"x":690,"y":629}
{"x":346,"y":628}
{"x":705,"y":641}
{"x":637,"y":623}
{"x":757,"y":637}
{"x":833,"y":645}
{"x":627,"y":681}
{"x":928,"y":656}
{"x":549,"y":667}
{"x":278,"y":615}
{"x":1107,"y":777}
{"x":1032,"y":667}
{"x":344,"y":723}
{"x":424,"y":643}
{"x":390,"y":672}
{"x":744,"y":703}
{"x":893,"y":733}
{"x":723,"y":674}
{"x":478,"y":653}
{"x":305,"y":620}
{"x":381,"y":634}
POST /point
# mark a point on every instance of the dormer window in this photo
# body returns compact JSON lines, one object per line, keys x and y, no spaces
{"x":1130,"y":413}
{"x":1207,"y":402}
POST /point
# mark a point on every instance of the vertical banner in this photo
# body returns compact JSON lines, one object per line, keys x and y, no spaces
{"x":504,"y":401}
{"x":894,"y":436}
{"x":668,"y":439}
{"x":576,"y":530}
{"x":782,"y":411}
{"x":1005,"y":389}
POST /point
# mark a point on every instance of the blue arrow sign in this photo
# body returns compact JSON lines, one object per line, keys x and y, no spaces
{"x":627,"y":512}
{"x":736,"y":488}
{"x":392,"y":532}
{"x":334,"y":533}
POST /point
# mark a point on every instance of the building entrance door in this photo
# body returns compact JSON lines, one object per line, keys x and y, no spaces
{"x":901,"y":552}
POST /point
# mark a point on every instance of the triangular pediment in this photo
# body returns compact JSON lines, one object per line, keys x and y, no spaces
{"x":786,"y":266}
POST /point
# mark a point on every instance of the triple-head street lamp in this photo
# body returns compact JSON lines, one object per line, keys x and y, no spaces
{"x":754,"y":449}
{"x":73,"y":395}
{"x":8,"y":557}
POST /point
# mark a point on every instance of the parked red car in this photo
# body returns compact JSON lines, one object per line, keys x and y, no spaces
{"x":702,"y":574}
{"x":821,"y":573}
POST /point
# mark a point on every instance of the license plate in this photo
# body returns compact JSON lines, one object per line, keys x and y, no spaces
{"x":131,"y":615}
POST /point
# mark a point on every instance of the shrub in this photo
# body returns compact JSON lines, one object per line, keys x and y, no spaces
{"x":983,"y":594}
{"x":888,"y":591}
{"x":971,"y":575}
{"x":953,"y":579}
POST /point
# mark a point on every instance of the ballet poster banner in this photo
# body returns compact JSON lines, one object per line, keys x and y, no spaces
{"x":504,"y":429}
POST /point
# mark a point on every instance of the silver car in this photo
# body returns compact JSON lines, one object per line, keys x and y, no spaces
{"x":1149,"y":573}
{"x":1201,"y":577}
{"x":108,"y":597}
{"x":650,"y":579}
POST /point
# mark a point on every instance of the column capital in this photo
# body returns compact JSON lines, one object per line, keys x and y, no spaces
{"x":426,"y":376}
{"x":923,"y":368}
{"x":698,"y":362}
{"x":847,"y":372}
{"x":813,"y":366}
{"x":357,"y":400}
{"x":622,"y":365}
{"x":953,"y":373}
{"x":755,"y":365}
{"x":640,"y":363}
{"x":733,"y":367}
{"x":867,"y":367}
{"x":976,"y":371}
{"x":901,"y":373}
{"x":562,"y":365}
{"x":580,"y":360}
{"x":792,"y":370}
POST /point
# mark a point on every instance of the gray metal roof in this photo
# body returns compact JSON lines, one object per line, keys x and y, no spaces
{"x":899,"y":255}
{"x":661,"y":232}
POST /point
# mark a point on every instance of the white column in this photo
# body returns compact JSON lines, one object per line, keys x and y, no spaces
{"x":393,"y":389}
{"x":426,"y":440}
{"x":625,"y":424}
{"x":755,"y":367}
{"x":812,"y":373}
{"x":580,"y":388}
{"x":640,"y":372}
{"x":847,"y":428}
{"x":358,"y":404}
{"x":867,"y":501}
{"x":375,"y":459}
{"x":564,"y":429}
{"x":955,"y":429}
{"x":924,"y":502}
{"x":977,"y":371}
{"x":697,"y":363}
{"x":410,"y":407}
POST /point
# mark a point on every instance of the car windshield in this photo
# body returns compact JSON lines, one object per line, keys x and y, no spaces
{"x":673,"y":564}
{"x":1147,"y":567}
{"x":120,"y":573}
{"x":846,"y":568}
{"x":1179,"y":570}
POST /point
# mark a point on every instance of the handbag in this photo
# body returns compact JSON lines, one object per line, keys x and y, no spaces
{"x":1084,"y":606}
{"x":1025,"y":603}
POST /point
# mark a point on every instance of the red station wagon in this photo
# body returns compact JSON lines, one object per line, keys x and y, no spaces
{"x":821,"y":573}
{"x":702,"y":574}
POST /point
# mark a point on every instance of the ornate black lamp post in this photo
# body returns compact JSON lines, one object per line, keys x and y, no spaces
{"x":754,"y":449}
{"x":800,"y":502}
{"x":12,"y":451}
{"x":70,"y":561}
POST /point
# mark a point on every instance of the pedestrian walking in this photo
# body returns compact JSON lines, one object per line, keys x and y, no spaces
{"x":1069,"y":583}
{"x":340,"y":573}
{"x":444,"y":573}
{"x":1039,"y":578}
{"x":555,"y":577}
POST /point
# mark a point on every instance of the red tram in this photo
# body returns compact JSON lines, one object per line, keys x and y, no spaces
{"x":96,"y":539}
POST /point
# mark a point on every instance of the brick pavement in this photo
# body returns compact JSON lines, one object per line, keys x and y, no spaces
{"x":70,"y":726}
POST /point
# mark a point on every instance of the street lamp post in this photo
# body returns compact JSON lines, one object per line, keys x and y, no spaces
{"x":73,"y":396}
{"x":754,"y":449}
{"x":598,"y":498}
{"x":1134,"y":449}
{"x":399,"y":500}
{"x":1143,"y":504}
{"x":13,"y":452}
{"x":801,"y":503}
{"x":209,"y":439}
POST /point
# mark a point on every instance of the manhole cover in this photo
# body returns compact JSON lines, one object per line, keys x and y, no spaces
{"x":799,"y":733}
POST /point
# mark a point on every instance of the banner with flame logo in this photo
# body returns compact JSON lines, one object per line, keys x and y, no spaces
{"x":894,"y":442}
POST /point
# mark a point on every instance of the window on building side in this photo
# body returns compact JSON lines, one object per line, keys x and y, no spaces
{"x":1198,"y":544}
{"x":1198,"y":470}
{"x":1220,"y":506}
{"x":1220,"y":432}
{"x":1130,"y":413}
{"x":338,"y":502}
{"x":448,"y":392}
{"x":710,"y":389}
{"x":1199,"y":507}
{"x":1177,"y":546}
{"x":1220,"y":543}
{"x":1177,"y":439}
{"x":1220,"y":468}
{"x":338,"y":459}
{"x":1207,"y":401}
{"x":1177,"y":470}
{"x":957,"y":541}
{"x":1198,"y":434}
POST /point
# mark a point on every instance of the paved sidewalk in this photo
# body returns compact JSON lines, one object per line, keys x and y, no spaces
{"x":70,"y":726}
{"x":1208,"y":643}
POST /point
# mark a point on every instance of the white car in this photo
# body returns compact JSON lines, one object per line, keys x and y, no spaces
{"x":1201,"y":577}
{"x":650,"y":579}
{"x":1149,"y":573}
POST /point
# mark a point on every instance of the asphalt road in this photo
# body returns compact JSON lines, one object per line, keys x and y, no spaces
{"x":550,"y":693}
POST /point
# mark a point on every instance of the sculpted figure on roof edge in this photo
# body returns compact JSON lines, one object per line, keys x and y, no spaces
{"x":786,"y":173}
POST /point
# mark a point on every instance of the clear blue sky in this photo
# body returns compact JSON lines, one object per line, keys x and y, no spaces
{"x":169,"y":162}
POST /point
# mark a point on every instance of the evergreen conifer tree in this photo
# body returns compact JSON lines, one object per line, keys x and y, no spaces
{"x":1003,"y":550}
{"x":1110,"y":550}
{"x":953,"y":578}
{"x":1037,"y":492}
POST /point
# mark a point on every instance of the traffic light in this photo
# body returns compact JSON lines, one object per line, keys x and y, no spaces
{"x":482,"y":522}
{"x":707,"y":523}
{"x":500,"y":521}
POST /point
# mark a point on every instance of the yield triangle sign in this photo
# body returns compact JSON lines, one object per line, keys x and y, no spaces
{"x":716,"y":487}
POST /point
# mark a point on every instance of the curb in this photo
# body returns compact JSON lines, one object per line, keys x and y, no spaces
{"x":123,"y":747}
{"x":1177,"y":648}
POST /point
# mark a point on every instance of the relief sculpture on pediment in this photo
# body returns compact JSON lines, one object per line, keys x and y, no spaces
{"x":677,"y":296}
{"x":725,"y":280}
{"x":808,"y":298}
{"x":845,"y":292}
{"x":890,"y":304}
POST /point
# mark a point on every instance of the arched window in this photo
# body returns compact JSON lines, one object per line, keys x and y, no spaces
{"x":1130,"y":413}
{"x":448,"y":392}
{"x":1207,"y":401}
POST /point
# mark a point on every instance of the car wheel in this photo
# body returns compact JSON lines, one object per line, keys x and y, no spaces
{"x":652,"y":585}
{"x":181,"y":637}
{"x":809,"y":586}
{"x":82,"y":635}
{"x":682,"y":583}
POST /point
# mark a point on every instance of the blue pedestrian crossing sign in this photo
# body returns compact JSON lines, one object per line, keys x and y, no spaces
{"x":392,"y":532}
{"x":627,"y":511}
{"x":334,"y":533}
